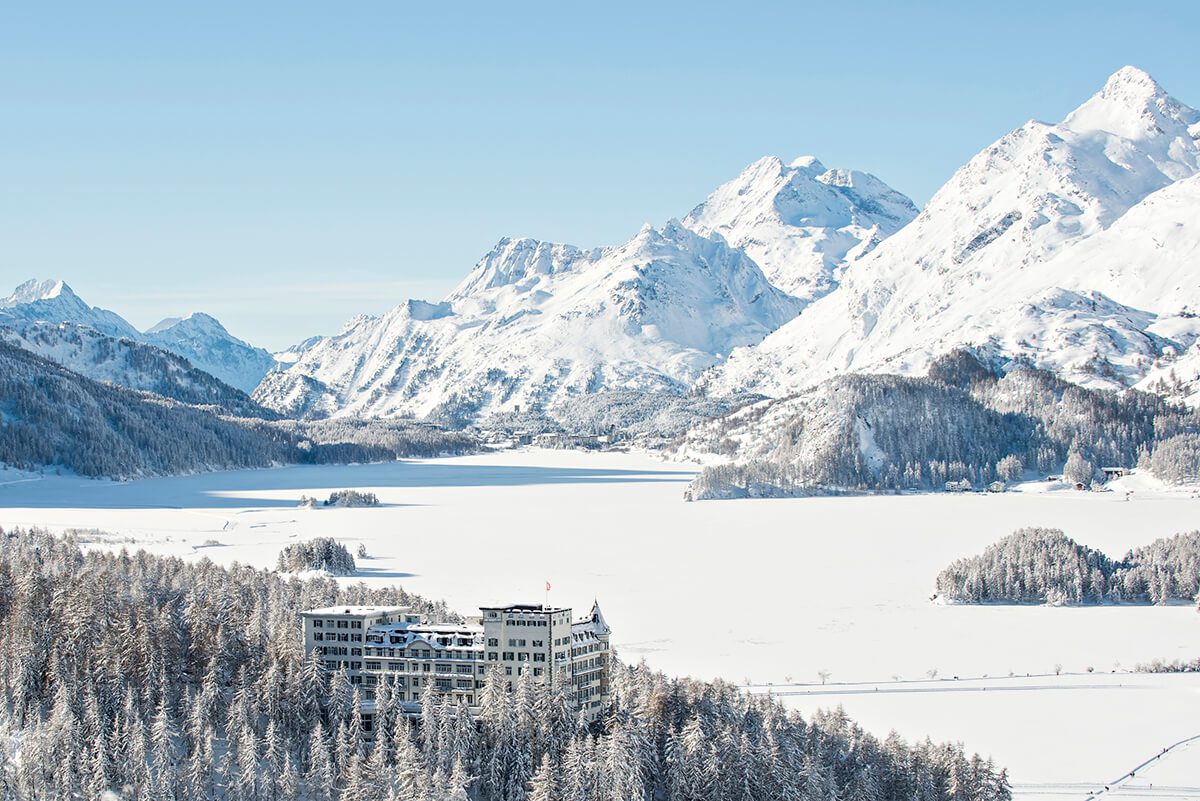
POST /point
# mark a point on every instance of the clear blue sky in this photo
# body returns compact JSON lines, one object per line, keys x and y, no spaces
{"x":284,"y":166}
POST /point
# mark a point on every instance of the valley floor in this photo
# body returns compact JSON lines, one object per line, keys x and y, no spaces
{"x":772,"y":591}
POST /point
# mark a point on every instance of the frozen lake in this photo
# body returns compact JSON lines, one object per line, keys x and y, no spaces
{"x":771,"y":591}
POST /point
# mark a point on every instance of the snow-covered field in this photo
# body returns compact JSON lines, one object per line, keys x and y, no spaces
{"x":774,"y":591}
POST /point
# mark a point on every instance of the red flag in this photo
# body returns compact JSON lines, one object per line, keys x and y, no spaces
{"x":547,"y":586}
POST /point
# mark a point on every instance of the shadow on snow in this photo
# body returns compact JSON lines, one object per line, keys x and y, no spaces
{"x":238,"y":489}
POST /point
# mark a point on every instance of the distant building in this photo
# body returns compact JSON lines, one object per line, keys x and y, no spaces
{"x":372,"y":643}
{"x":1113,"y":472}
{"x":997,"y":486}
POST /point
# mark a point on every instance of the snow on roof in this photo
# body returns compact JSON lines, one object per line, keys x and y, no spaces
{"x":593,"y":623}
{"x":424,"y":628}
{"x":538,"y":608}
{"x":355,"y":610}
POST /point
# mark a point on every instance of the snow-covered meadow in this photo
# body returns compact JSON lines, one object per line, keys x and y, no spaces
{"x":772,"y":592}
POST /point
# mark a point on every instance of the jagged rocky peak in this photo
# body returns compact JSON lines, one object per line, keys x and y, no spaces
{"x":36,"y":289}
{"x":802,"y":222}
{"x":514,"y":260}
{"x":52,"y":301}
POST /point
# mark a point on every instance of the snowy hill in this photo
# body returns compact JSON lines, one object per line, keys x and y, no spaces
{"x":536,"y":322}
{"x":46,"y":315}
{"x":801,"y":222}
{"x":990,"y":262}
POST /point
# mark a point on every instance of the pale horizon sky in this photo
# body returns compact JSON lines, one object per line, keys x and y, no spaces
{"x":285,"y":167}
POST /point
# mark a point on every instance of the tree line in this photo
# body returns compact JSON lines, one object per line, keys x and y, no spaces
{"x":155,"y":678}
{"x":963,"y":421}
{"x":51,"y":416}
{"x":1043,"y":565}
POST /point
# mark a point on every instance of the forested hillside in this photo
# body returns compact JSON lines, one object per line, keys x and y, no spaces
{"x":131,"y":364}
{"x":161,"y":679}
{"x":962,"y":421}
{"x":51,"y":416}
{"x":1038,"y":565}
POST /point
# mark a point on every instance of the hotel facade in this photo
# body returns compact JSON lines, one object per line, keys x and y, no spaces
{"x":376,"y":643}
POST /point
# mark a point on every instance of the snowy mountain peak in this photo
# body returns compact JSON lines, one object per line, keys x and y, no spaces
{"x":1134,"y":106}
{"x":196,"y":321}
{"x":537,"y":323}
{"x":801,"y":222}
{"x":52,"y":301}
{"x":1001,"y":232}
{"x":36,"y":289}
{"x":809,"y":164}
{"x":512,"y":261}
{"x":198,"y":337}
{"x":201,"y":339}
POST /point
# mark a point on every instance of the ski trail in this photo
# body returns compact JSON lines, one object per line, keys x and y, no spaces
{"x":1132,"y":773}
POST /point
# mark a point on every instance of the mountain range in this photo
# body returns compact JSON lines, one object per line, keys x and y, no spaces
{"x":48,"y":318}
{"x":1066,"y":246}
{"x":1070,"y":247}
{"x":536,"y":324}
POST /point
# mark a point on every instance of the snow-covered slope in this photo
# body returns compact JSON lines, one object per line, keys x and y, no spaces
{"x":535,"y":322}
{"x":989,"y":262}
{"x":203,"y":341}
{"x":47,"y":315}
{"x":801,"y":222}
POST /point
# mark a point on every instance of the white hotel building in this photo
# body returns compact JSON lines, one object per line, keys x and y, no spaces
{"x":371,"y":642}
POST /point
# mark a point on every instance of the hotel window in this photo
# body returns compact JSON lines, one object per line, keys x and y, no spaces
{"x":318,"y":624}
